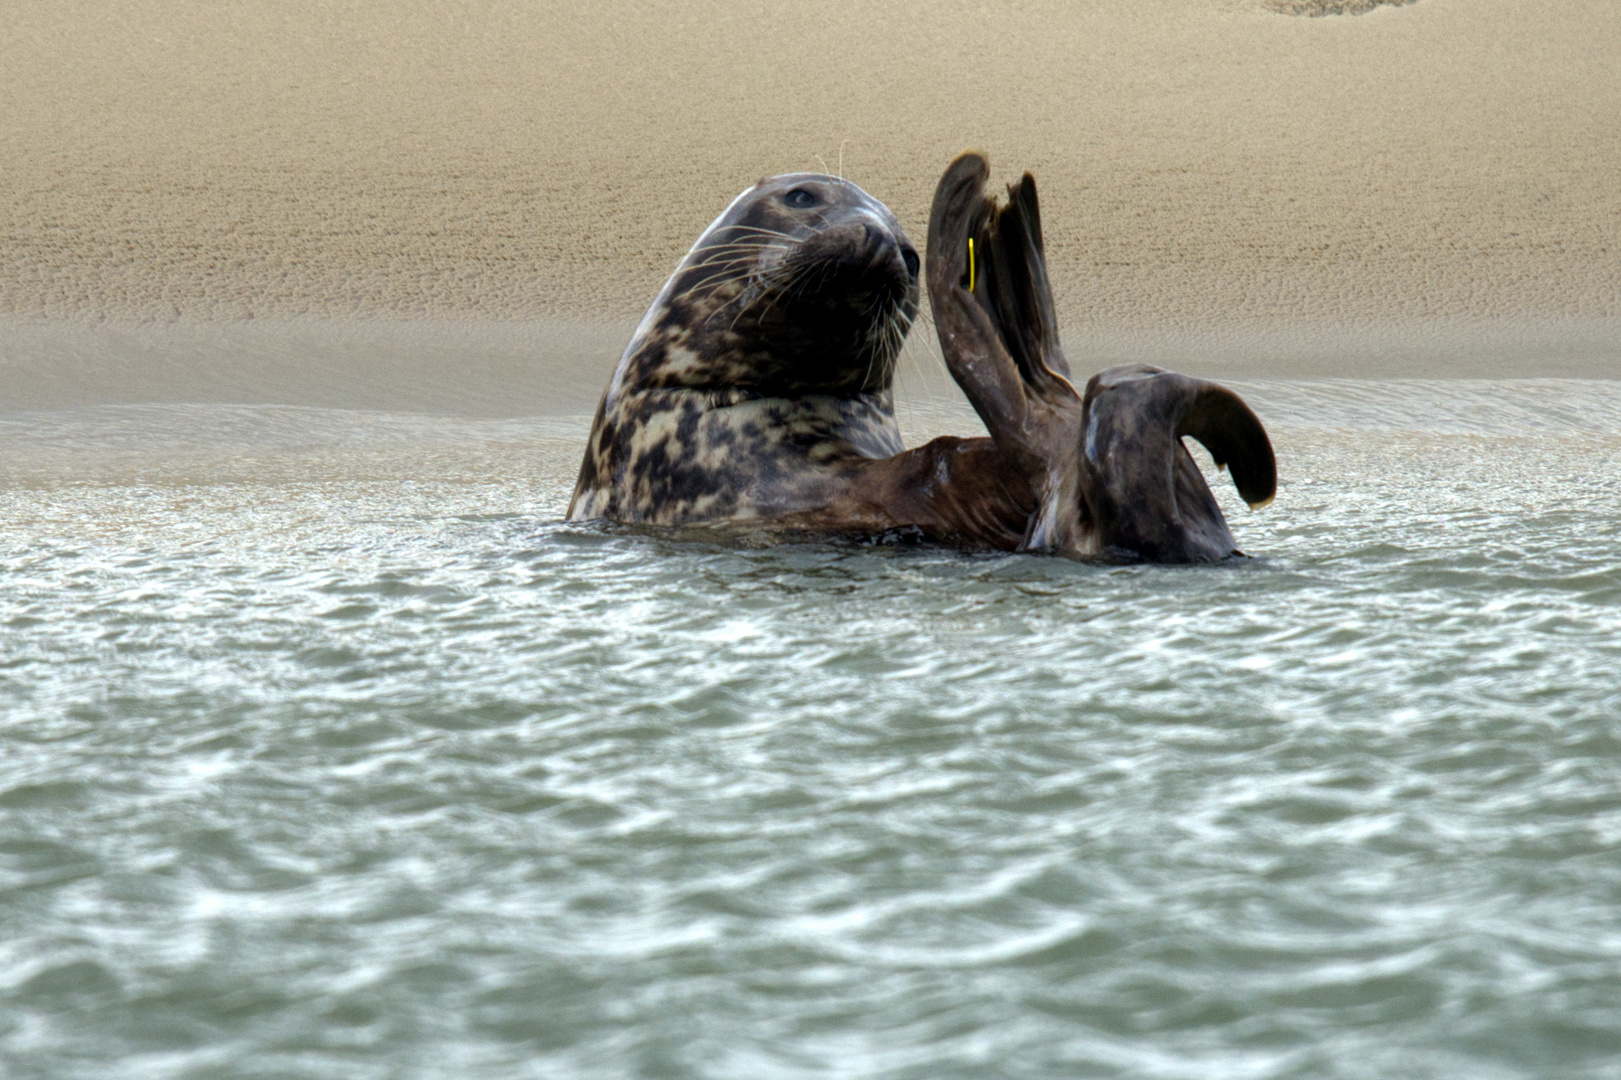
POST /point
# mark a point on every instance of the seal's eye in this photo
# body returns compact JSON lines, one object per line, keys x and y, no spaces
{"x":802,"y":198}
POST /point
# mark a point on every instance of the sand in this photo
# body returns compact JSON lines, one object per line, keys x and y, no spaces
{"x":1430,"y":185}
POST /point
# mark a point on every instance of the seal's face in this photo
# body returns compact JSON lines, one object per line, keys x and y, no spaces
{"x":806,"y":284}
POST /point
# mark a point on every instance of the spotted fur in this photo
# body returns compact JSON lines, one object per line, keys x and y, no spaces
{"x":758,"y":389}
{"x":759,"y":382}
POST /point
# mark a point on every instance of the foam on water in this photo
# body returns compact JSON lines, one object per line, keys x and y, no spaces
{"x":328,"y":750}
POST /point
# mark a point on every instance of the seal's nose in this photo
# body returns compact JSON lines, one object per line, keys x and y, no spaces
{"x":883,"y":247}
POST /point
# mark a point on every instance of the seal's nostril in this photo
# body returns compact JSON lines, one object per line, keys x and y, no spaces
{"x":910,"y":258}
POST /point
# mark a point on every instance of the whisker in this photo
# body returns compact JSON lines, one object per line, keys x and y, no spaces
{"x":706,"y":290}
{"x":764,"y":232}
{"x":762,"y":286}
{"x":889,"y":344}
{"x":798,"y":281}
{"x":775,"y":280}
{"x":709,"y":255}
{"x":916,"y":349}
{"x":726,"y":258}
{"x":753,"y":291}
{"x":719,"y":280}
{"x":736,"y":245}
{"x":754,"y":244}
{"x":720,"y":265}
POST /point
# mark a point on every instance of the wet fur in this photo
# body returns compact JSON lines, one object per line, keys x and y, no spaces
{"x":758,"y":387}
{"x":757,"y":391}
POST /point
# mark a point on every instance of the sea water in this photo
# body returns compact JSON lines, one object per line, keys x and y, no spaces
{"x":327,"y":749}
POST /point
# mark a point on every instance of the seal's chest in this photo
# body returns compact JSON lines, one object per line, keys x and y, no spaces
{"x":676,"y":456}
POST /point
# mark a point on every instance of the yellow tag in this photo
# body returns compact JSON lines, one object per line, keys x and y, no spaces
{"x":970,"y":264}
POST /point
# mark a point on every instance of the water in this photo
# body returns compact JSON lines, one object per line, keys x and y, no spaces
{"x":328,"y":751}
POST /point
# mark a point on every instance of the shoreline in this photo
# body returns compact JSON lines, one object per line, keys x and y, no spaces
{"x":495,"y":368}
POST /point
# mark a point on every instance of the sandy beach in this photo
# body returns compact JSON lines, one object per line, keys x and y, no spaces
{"x":425,"y":202}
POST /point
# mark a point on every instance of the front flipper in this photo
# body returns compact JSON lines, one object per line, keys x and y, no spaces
{"x":1109,"y":471}
{"x":994,"y":314}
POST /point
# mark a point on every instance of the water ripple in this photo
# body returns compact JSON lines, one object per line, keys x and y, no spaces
{"x":371,"y":767}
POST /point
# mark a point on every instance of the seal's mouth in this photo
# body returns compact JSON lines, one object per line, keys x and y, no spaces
{"x":853,"y":278}
{"x":861,"y":253}
{"x":846,"y":300}
{"x":826,"y":311}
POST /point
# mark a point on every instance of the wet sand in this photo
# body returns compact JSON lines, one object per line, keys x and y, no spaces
{"x":464,"y":207}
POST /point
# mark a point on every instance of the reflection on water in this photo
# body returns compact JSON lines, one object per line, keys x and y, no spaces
{"x":329,"y":751}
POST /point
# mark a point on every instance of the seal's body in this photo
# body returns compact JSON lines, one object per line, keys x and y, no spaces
{"x":757,"y":390}
{"x":758,"y":386}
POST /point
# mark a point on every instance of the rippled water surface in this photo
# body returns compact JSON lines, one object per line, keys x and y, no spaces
{"x":327,"y":750}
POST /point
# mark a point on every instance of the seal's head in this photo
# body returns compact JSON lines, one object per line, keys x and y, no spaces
{"x":805,"y":285}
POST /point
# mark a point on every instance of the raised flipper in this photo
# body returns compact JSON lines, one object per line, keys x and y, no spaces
{"x":1109,"y":470}
{"x":995,"y":318}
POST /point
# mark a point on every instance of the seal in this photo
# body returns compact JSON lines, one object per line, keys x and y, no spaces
{"x":758,"y":388}
{"x":758,"y":391}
